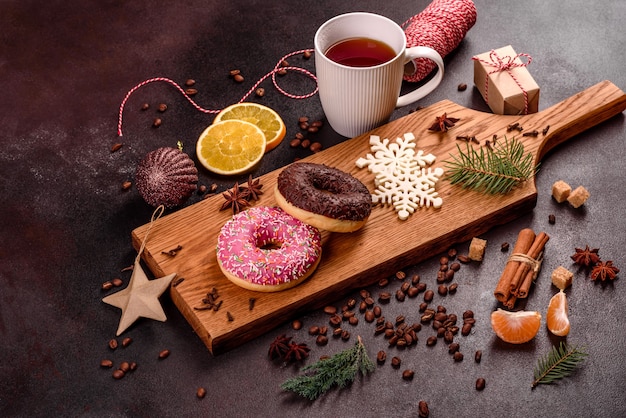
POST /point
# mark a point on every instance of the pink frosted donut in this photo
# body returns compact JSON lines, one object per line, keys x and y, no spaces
{"x":267,"y":250}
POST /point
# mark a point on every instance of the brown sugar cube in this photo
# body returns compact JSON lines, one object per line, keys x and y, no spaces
{"x":562,"y":277}
{"x":578,"y":197}
{"x":477,"y":249}
{"x":561,"y":191}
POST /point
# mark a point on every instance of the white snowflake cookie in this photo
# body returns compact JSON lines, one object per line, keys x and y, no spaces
{"x":401,"y":176}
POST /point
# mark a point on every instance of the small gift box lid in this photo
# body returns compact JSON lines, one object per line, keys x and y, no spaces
{"x":503,"y":80}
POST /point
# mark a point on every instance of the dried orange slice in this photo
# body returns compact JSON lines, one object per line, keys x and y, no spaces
{"x":557,"y":319}
{"x":515,"y":327}
{"x":262,"y":116}
{"x":230,"y":147}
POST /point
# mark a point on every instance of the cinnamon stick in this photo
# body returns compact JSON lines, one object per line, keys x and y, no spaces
{"x":529,"y":274}
{"x":534,"y":251}
{"x":524,"y":241}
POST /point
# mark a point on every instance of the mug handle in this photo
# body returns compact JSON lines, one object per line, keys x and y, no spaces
{"x":421,"y":52}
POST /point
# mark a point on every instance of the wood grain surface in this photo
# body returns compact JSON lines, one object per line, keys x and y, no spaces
{"x":385,"y":244}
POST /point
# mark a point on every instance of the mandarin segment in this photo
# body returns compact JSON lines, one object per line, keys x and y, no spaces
{"x":515,"y":327}
{"x":557,"y":319}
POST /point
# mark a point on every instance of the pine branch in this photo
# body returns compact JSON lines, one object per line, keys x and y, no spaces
{"x":498,"y":170}
{"x":339,"y":370}
{"x":558,"y":363}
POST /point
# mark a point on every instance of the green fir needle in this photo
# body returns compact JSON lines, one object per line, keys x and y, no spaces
{"x":339,"y":370}
{"x":560,"y":362}
{"x":495,"y":171}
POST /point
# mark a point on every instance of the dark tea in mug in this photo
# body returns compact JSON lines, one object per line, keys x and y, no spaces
{"x":360,"y":52}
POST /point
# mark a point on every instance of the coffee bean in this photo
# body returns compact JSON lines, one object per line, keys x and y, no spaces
{"x":118,"y":374}
{"x":162,"y":107}
{"x":315,"y":147}
{"x":369,"y":300}
{"x":305,"y":143}
{"x":422,"y":409}
{"x":463,"y":259}
{"x":145,"y":106}
{"x":468,"y":314}
{"x":321,"y":340}
{"x":191,"y":92}
{"x":117,"y":282}
{"x":329,"y":309}
{"x":116,"y":147}
{"x":408,"y":374}
{"x":126,"y":341}
{"x":381,"y":357}
{"x":306,"y":54}
{"x":478,"y":356}
{"x":431,"y":341}
{"x":190,"y":82}
{"x":443,"y":260}
{"x":296,"y":324}
{"x":106,"y":363}
{"x":238,"y":78}
{"x":428,"y":296}
{"x":458,"y":356}
{"x":157,"y":122}
{"x":452,"y":253}
{"x":295,"y":143}
{"x":442,"y":290}
{"x":462,"y":87}
{"x":345,"y":335}
{"x":415,"y":279}
{"x":389,"y":332}
{"x":337,"y":332}
{"x":453,"y":287}
{"x":400,"y":295}
{"x":480,"y":383}
{"x":335,"y":320}
{"x":164,"y":354}
{"x":323,"y":330}
{"x":466,"y":329}
{"x":369,"y":316}
{"x":552,"y":219}
{"x":396,"y":362}
{"x":353,"y":320}
{"x":107,"y":285}
{"x":400,"y":275}
{"x":201,"y":393}
{"x":504,"y":247}
{"x":377,"y":311}
{"x":448,"y":336}
{"x":314,"y":330}
{"x":412,"y":292}
{"x":384,"y":297}
{"x":125,"y":366}
{"x":421,"y":287}
{"x":260,"y":92}
{"x":133,"y":366}
{"x":405,"y":287}
{"x":113,"y":344}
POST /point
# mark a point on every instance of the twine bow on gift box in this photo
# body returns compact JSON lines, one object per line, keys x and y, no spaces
{"x":506,"y":63}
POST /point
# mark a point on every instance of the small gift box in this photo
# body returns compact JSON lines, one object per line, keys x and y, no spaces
{"x":505,"y":83}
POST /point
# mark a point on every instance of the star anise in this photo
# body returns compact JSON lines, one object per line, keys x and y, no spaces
{"x":235,"y":199}
{"x":296,"y":352}
{"x":253,"y":190}
{"x":604,"y":271}
{"x":586,"y":257}
{"x":442,"y":123}
{"x":279,"y":347}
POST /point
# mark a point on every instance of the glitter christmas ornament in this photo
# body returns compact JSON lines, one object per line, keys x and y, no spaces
{"x":166,"y":176}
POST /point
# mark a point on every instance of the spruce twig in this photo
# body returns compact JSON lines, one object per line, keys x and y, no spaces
{"x":339,"y":370}
{"x":497,"y":170}
{"x":558,"y":363}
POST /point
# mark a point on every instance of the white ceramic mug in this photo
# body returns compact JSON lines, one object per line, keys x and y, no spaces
{"x":358,"y":99}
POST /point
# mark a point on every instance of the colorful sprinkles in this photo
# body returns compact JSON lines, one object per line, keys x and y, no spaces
{"x":267,"y":246}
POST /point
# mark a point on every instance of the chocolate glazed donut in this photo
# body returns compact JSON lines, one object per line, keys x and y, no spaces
{"x":322,"y":196}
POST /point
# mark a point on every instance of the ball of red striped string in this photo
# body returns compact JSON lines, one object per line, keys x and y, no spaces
{"x":442,"y":25}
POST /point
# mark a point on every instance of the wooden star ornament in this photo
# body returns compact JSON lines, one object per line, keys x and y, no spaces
{"x":140,"y":298}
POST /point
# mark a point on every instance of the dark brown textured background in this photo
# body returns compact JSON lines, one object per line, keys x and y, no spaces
{"x":65,"y":224}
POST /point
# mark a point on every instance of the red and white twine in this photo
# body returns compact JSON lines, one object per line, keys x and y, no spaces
{"x":442,"y":25}
{"x":506,"y":63}
{"x":277,"y":68}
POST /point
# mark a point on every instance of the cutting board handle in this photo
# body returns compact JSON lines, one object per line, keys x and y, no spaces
{"x":579,"y":113}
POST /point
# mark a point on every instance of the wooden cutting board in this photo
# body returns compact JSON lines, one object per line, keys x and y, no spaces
{"x":385,"y":245}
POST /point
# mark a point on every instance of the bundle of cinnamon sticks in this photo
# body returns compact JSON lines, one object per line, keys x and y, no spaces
{"x":521,"y":268}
